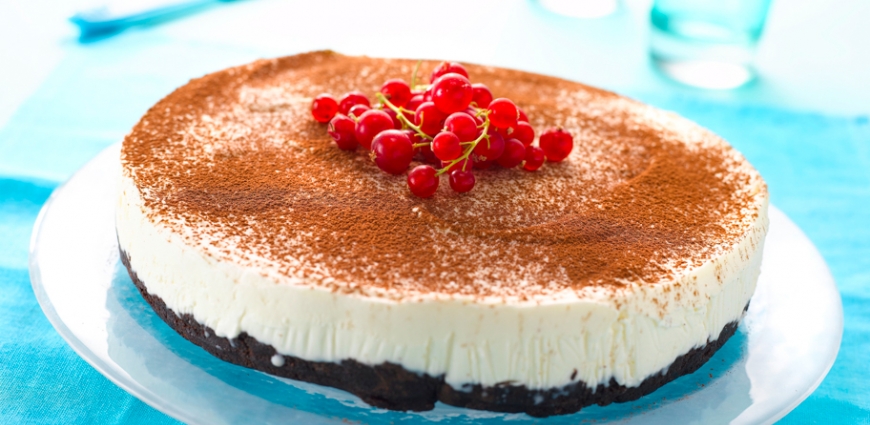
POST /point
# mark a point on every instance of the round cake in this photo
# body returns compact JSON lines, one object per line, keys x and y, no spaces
{"x":593,"y":280}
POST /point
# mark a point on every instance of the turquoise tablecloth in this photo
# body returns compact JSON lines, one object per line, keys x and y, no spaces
{"x":818,"y":168}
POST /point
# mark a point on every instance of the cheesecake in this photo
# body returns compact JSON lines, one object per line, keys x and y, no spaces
{"x":594,"y":280}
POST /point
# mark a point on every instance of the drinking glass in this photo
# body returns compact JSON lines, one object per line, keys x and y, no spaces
{"x":707,"y":43}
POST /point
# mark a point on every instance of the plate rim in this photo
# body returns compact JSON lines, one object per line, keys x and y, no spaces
{"x":78,"y":346}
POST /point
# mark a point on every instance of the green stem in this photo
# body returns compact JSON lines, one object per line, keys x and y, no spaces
{"x":471,"y":145}
{"x":401,"y":116}
{"x":484,"y":134}
{"x":414,"y":75}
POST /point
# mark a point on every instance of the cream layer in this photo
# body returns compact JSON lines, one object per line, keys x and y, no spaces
{"x":591,"y":335}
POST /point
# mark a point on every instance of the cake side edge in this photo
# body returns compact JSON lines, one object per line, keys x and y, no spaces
{"x":391,"y":386}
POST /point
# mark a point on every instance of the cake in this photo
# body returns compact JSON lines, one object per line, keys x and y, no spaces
{"x":594,"y":280}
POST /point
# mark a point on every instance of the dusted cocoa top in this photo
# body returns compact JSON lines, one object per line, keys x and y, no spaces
{"x":234,"y":162}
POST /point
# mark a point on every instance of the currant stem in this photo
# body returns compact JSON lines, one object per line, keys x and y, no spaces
{"x":401,"y":116}
{"x":414,"y":75}
{"x":471,"y":145}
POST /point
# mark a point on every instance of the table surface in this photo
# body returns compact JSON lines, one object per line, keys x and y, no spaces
{"x":804,"y":124}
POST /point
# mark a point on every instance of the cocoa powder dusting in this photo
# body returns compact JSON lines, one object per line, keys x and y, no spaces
{"x":234,"y":161}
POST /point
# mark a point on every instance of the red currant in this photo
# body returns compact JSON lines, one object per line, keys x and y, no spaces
{"x":446,"y":116}
{"x":341,"y":129}
{"x":461,"y":181}
{"x":523,"y":117}
{"x":423,"y":181}
{"x":392,"y":151}
{"x":507,"y":133}
{"x":323,"y":108}
{"x":422,"y":149}
{"x":353,"y":98}
{"x":524,"y":133}
{"x":415,"y":138}
{"x":451,"y":93}
{"x":427,"y":156}
{"x":556,"y":143}
{"x":490,"y":148}
{"x":415,"y":102}
{"x":397,"y":124}
{"x":446,"y":146}
{"x":534,"y":158}
{"x":369,"y":124}
{"x":482,"y":164}
{"x":357,"y":110}
{"x":503,"y":113}
{"x":397,"y":91}
{"x":429,"y":118}
{"x":481,"y":95}
{"x":446,"y":68}
{"x":477,"y":118}
{"x":513,"y":155}
{"x":463,"y":125}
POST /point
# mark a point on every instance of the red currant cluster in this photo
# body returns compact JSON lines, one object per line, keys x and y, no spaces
{"x":450,"y":125}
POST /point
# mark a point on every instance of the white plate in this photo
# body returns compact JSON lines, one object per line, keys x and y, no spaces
{"x":779,"y":355}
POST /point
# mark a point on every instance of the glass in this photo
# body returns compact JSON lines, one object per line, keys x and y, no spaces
{"x":707,"y":43}
{"x":778,"y":356}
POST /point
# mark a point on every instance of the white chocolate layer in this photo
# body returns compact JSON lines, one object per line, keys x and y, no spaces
{"x":592,"y":335}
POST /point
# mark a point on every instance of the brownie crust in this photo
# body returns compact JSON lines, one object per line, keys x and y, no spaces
{"x":391,"y":386}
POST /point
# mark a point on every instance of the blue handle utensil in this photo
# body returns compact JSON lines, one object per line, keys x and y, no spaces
{"x":114,"y":18}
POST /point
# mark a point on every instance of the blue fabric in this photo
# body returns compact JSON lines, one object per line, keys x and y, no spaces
{"x":818,"y":169}
{"x":41,"y":379}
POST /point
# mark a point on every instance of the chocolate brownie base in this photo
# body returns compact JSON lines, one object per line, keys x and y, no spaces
{"x":391,"y":386}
